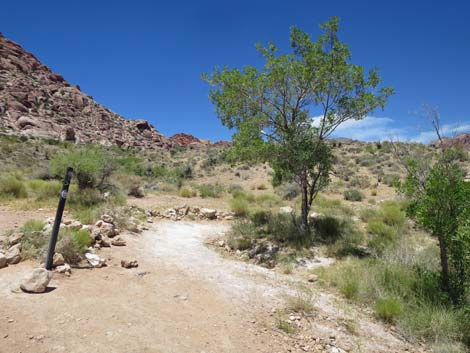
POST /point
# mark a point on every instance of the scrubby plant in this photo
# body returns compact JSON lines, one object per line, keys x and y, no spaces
{"x":353,"y":195}
{"x":73,"y":244}
{"x":11,"y":185}
{"x":240,"y":206}
{"x":186,"y":192}
{"x":210,"y":190}
{"x":388,"y":309}
{"x":44,"y":190}
{"x":92,"y":166}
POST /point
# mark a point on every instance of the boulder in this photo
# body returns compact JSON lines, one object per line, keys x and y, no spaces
{"x":36,"y":281}
{"x":208,"y":213}
{"x":94,"y":260}
{"x":57,"y":260}
{"x":15,"y":238}
{"x":13,"y":255}
{"x":108,"y":230}
{"x":129,"y":263}
{"x":75,"y":225}
{"x":65,"y":269}
{"x":118,"y":242}
{"x":286,"y":210}
{"x":3,"y":260}
{"x":107,"y":218}
{"x":312,"y":278}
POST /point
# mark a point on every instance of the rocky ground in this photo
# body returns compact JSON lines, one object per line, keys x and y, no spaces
{"x":182,"y":297}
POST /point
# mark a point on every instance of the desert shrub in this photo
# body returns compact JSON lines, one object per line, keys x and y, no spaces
{"x":248,"y":196}
{"x":383,"y":236}
{"x":11,"y":185}
{"x":390,"y":179}
{"x":288,"y":191}
{"x":285,"y":228}
{"x":210,"y":190}
{"x":261,"y":187}
{"x":73,"y":244}
{"x":348,"y":245}
{"x":186,"y":192}
{"x":240,"y":206}
{"x":373,"y":192}
{"x":259,"y":217}
{"x":85,"y":198}
{"x":34,"y":241}
{"x":361,"y":181}
{"x":368,"y":214}
{"x":301,"y":302}
{"x":241,"y":235}
{"x":44,"y":190}
{"x":87,"y":215}
{"x":391,"y":214}
{"x":234,"y":188}
{"x":353,"y":195}
{"x":388,"y":309}
{"x":267,"y":200}
{"x":92,"y":166}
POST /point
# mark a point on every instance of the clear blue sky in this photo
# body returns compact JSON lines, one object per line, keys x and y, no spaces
{"x":143,"y":59}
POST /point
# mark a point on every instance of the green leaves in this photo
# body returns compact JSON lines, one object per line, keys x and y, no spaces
{"x":271,"y":108}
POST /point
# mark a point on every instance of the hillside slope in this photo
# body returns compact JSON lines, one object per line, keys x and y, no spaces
{"x":34,"y":101}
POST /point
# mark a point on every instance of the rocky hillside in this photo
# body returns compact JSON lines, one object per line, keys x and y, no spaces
{"x":34,"y":101}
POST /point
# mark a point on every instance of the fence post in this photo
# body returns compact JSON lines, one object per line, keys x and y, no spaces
{"x":58,"y":218}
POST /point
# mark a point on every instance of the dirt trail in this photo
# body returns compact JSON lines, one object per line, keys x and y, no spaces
{"x":183,"y":297}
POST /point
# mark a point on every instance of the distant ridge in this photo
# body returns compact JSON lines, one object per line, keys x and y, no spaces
{"x":34,"y":101}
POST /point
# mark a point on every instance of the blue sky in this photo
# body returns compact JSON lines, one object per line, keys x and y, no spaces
{"x":143,"y":59}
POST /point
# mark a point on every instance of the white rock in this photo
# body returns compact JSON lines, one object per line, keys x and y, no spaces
{"x":13,"y":255}
{"x":75,"y":225}
{"x":208,"y":213}
{"x":95,"y":260}
{"x":108,"y":229}
{"x":58,"y":259}
{"x":107,"y":218}
{"x":37,"y":281}
{"x":15,"y":238}
{"x":286,"y":210}
{"x":65,"y":268}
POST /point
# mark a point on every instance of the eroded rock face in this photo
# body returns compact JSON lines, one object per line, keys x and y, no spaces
{"x":36,"y":281}
{"x":34,"y":101}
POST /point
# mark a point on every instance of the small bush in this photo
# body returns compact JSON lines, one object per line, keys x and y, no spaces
{"x":240,"y":206}
{"x":73,"y":244}
{"x":392,"y":215}
{"x":12,"y":186}
{"x":288,"y":191}
{"x":85,"y":198}
{"x":353,"y":195}
{"x":350,"y":288}
{"x":285,"y":228}
{"x":261,"y":187}
{"x":368,"y":214}
{"x":32,"y":225}
{"x":44,"y":190}
{"x":186,"y":192}
{"x":300,"y":303}
{"x":259,"y":217}
{"x":210,"y":190}
{"x":388,"y":309}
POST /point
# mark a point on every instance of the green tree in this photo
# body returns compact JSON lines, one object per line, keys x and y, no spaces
{"x":271,"y":108}
{"x":92,"y":166}
{"x":440,"y":203}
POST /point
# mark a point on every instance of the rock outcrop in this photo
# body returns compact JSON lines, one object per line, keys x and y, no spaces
{"x":34,"y":101}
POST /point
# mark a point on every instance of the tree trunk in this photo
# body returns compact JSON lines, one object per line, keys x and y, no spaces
{"x":305,"y":206}
{"x":445,"y":269}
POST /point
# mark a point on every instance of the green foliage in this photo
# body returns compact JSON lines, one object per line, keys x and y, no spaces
{"x":34,"y":241}
{"x":353,"y":195}
{"x":440,"y":203}
{"x":186,"y":192}
{"x":45,"y":190}
{"x":32,"y":225}
{"x":73,"y":244}
{"x":11,"y":185}
{"x":259,"y":217}
{"x":210,"y":190}
{"x":392,"y":214}
{"x":92,"y":166}
{"x":240,"y":206}
{"x":270,"y":108}
{"x":388,"y":309}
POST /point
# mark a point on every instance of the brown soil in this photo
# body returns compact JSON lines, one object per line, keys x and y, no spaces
{"x":183,"y":297}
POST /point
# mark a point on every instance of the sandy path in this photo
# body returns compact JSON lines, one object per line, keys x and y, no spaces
{"x":183,"y":297}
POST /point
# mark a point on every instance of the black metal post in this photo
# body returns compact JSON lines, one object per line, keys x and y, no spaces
{"x":58,"y":218}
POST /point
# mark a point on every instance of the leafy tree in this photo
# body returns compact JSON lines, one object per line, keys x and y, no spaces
{"x":440,"y":202}
{"x":271,"y":108}
{"x":92,"y":166}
